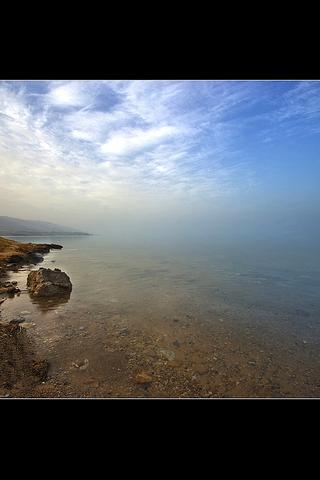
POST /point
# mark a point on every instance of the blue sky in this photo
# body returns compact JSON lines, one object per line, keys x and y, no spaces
{"x":81,"y":152}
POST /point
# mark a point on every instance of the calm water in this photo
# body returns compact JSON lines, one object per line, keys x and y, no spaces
{"x":261,"y":284}
{"x":273,"y":293}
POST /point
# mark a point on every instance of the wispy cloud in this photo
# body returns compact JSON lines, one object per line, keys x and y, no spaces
{"x":104,"y":141}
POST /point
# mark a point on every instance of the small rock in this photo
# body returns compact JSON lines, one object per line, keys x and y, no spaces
{"x":174,"y":363}
{"x":202,"y":370}
{"x":85,"y":364}
{"x":25,"y":312}
{"x":40,"y":369}
{"x":143,"y":378}
{"x":17,"y":320}
{"x":82,"y":364}
{"x":168,"y":354}
{"x":124,"y":331}
{"x":28,"y":325}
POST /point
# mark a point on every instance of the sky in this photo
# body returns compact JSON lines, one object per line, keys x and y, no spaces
{"x":162,"y":156}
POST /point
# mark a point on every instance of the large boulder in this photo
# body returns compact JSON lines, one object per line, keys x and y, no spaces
{"x":46,"y":283}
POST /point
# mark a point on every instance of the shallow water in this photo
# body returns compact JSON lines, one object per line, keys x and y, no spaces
{"x":258,"y":307}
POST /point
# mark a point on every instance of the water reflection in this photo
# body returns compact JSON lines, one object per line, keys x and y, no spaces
{"x":47,"y":304}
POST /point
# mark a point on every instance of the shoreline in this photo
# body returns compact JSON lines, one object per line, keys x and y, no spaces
{"x":21,"y":367}
{"x":48,"y":234}
{"x":18,"y":253}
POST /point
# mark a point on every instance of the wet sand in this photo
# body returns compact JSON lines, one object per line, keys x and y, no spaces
{"x":179,"y":357}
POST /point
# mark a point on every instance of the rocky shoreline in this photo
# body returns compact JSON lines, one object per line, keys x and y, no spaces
{"x":14,"y":255}
{"x":20,"y":366}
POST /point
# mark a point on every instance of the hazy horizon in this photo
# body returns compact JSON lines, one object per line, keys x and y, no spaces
{"x":164,"y":160}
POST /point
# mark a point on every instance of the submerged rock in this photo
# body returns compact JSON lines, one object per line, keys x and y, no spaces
{"x":40,"y":369}
{"x":143,"y":378}
{"x":82,"y":364}
{"x":46,"y":282}
{"x":167,"y":354}
{"x":18,"y":320}
{"x":55,"y":246}
{"x":9,"y":288}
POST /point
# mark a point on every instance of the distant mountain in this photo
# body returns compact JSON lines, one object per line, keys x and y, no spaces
{"x":16,"y":226}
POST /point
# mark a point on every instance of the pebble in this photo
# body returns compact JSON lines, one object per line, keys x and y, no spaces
{"x":17,"y":320}
{"x":28,"y":325}
{"x":82,"y":365}
{"x":124,"y":331}
{"x":168,"y":354}
{"x":143,"y":378}
{"x":202,"y":370}
{"x":25,"y":312}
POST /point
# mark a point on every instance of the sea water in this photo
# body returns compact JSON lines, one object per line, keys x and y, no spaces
{"x":271,"y":292}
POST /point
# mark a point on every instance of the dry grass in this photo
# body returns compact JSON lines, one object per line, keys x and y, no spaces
{"x":11,"y":247}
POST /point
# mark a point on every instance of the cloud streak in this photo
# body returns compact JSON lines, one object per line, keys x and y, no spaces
{"x":121,"y":144}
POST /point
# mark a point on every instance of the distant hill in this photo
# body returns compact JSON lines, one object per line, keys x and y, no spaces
{"x":16,"y":226}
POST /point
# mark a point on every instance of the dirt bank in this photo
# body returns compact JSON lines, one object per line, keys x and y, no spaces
{"x":13,"y":253}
